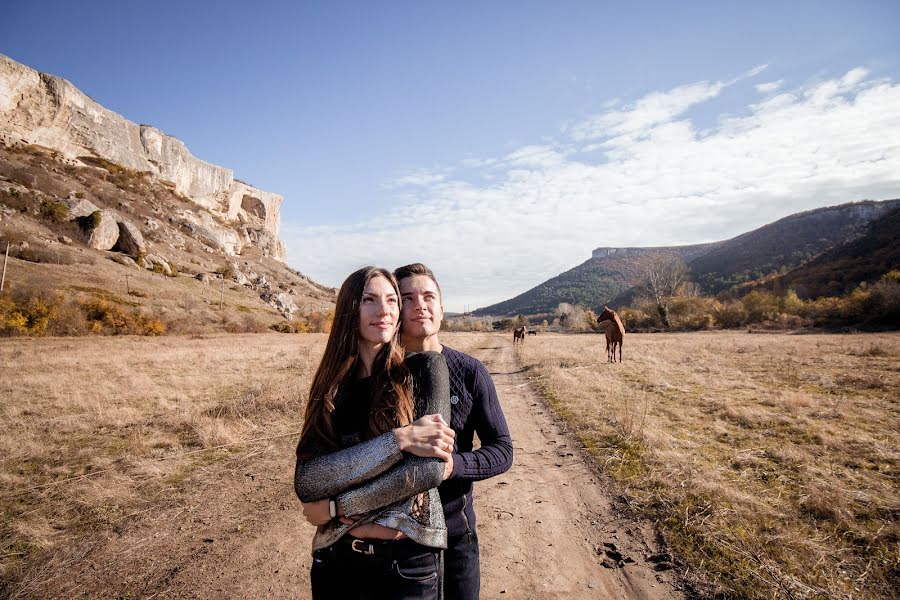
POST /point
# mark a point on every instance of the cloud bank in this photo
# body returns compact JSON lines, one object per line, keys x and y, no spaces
{"x":635,"y":174}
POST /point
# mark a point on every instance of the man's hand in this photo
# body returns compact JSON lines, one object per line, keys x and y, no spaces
{"x":448,"y":468}
{"x":317,"y":512}
{"x":428,"y":437}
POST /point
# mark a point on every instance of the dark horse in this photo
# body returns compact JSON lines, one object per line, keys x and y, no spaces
{"x":519,"y":335}
{"x":615,"y":332}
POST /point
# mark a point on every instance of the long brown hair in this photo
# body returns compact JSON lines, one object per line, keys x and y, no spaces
{"x":392,"y":384}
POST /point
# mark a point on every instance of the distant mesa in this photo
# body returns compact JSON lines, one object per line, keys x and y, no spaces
{"x":45,"y":110}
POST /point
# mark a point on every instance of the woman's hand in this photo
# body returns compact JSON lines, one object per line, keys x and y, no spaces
{"x":427,"y":437}
{"x":317,"y":512}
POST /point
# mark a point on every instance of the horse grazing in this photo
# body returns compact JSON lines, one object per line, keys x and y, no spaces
{"x":615,"y":332}
{"x":519,"y":335}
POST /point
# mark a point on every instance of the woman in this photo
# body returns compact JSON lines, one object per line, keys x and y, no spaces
{"x":379,"y":516}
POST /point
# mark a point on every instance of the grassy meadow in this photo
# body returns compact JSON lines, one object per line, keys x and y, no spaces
{"x":100,"y":429}
{"x":771,"y":462}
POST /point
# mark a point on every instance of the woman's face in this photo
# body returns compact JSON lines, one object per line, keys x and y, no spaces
{"x":379,"y":312}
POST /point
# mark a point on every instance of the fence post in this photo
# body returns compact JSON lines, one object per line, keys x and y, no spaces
{"x":6,"y":258}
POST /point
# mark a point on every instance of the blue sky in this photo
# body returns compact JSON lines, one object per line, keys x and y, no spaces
{"x":499,"y":142}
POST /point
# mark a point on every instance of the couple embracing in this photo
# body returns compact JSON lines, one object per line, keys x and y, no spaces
{"x":385,"y":462}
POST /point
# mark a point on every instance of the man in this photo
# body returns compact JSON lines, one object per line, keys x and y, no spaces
{"x":474,"y":408}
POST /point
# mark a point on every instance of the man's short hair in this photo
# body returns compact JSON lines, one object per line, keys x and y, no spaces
{"x":416,"y":269}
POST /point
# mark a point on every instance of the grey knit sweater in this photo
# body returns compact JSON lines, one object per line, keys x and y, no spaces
{"x":375,"y":478}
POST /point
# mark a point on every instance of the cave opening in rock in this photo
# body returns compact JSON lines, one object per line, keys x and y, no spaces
{"x":254,"y":206}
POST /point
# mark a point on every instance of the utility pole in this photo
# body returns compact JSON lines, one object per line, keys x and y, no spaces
{"x":222,"y":298}
{"x":3,"y":277}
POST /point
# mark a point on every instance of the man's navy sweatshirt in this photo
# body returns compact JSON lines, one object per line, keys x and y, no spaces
{"x":474,"y":408}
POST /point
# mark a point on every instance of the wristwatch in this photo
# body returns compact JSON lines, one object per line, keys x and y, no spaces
{"x":332,"y":507}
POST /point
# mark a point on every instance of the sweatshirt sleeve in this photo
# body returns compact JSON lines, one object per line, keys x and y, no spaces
{"x":495,"y":456}
{"x":413,"y":474}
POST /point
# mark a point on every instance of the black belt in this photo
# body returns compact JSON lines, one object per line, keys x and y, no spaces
{"x":380,"y":549}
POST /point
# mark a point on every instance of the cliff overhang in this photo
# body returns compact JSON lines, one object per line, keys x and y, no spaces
{"x":42,"y":109}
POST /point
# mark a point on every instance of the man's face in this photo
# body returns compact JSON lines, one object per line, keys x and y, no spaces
{"x":421,"y":309}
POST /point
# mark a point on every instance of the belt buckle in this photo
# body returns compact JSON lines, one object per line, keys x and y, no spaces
{"x":363,"y":547}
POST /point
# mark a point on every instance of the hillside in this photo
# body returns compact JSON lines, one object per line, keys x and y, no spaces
{"x":116,"y":227}
{"x":784,"y":244}
{"x":149,"y":251}
{"x":841,"y":268}
{"x":610,"y":275}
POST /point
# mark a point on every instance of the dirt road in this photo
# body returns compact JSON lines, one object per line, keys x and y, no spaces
{"x":547,"y":524}
{"x":546,"y":527}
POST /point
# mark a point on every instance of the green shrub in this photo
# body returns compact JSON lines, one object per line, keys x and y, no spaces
{"x":729,"y":314}
{"x":761,"y":306}
{"x":54,"y":211}
{"x":90,"y":222}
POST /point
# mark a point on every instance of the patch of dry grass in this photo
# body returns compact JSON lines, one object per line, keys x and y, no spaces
{"x":98,"y":430}
{"x":770,"y":462}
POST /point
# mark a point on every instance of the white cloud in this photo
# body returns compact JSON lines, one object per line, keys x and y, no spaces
{"x":474,"y":163}
{"x":543,"y":157}
{"x":653,"y":180}
{"x":769,"y":87}
{"x":652,"y":109}
{"x":422,"y":177}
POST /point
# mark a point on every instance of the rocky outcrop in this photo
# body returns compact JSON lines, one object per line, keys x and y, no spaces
{"x":154,"y":262}
{"x":130,"y":240}
{"x":282,"y":302}
{"x":42,"y":109}
{"x":203,"y":227}
{"x":79,"y":207}
{"x":105,"y":233}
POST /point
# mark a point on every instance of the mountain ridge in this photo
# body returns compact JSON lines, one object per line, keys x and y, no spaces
{"x":610,"y":275}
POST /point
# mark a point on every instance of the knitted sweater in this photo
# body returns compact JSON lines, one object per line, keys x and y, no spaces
{"x":374,"y":477}
{"x":475,"y":408}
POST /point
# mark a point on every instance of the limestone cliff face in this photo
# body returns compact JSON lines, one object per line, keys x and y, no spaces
{"x":38,"y":108}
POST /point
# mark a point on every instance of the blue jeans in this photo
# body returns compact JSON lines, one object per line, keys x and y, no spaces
{"x":401,"y":570}
{"x":462,"y":568}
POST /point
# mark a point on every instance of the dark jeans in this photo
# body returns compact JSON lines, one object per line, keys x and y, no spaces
{"x":462,"y":568}
{"x":402,"y":570}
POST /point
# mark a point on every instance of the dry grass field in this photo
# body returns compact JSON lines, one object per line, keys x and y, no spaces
{"x":99,"y":430}
{"x":770,"y":462}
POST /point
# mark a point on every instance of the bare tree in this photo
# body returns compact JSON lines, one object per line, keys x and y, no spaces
{"x":663,"y":275}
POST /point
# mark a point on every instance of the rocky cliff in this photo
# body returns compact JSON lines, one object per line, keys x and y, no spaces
{"x":45,"y":110}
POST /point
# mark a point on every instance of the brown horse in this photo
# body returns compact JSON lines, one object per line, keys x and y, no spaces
{"x":615,"y":332}
{"x":519,"y":335}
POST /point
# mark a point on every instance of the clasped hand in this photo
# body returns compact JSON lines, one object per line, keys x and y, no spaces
{"x":429,"y":436}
